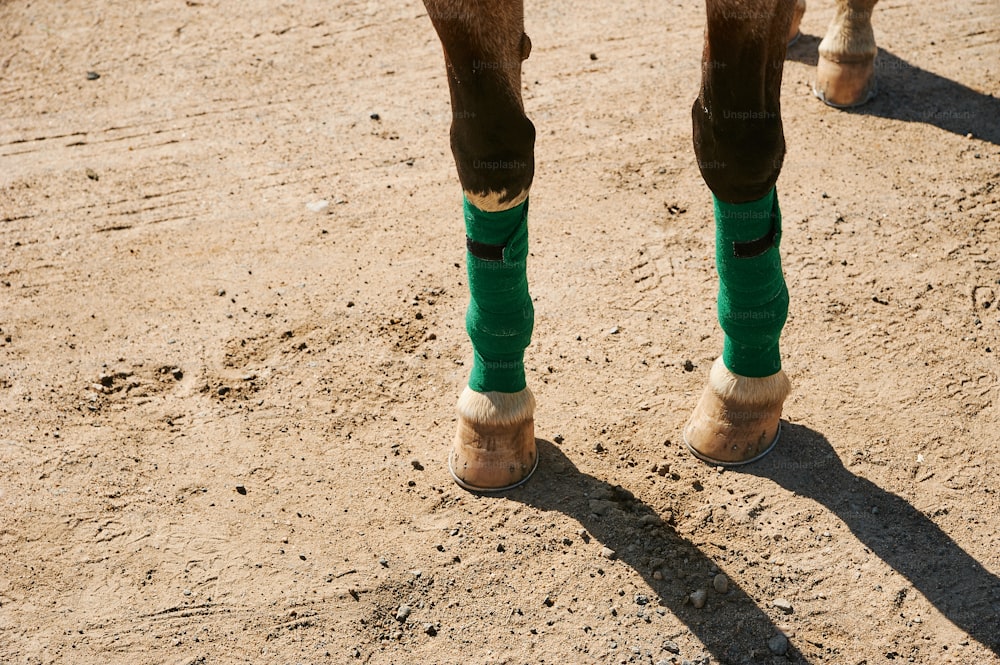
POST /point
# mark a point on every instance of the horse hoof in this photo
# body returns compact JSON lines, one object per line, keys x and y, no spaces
{"x":793,"y":31}
{"x":738,"y":419}
{"x":494,"y":448}
{"x":846,"y":83}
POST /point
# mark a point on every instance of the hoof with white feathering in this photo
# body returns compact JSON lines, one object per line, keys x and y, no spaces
{"x":845,"y":72}
{"x":494,"y":447}
{"x":738,"y":419}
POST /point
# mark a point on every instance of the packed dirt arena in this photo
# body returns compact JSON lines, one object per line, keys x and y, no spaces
{"x":232,"y":335}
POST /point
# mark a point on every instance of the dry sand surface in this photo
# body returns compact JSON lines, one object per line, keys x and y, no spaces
{"x":225,"y":406}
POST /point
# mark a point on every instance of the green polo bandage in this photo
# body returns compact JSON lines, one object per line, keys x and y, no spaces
{"x":753,"y":299}
{"x":500,"y":315}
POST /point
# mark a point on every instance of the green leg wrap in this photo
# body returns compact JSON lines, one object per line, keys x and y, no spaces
{"x":753,"y":299}
{"x":500,"y":315}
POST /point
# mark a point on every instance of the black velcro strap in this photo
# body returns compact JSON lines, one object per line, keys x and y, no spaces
{"x":483,"y":251}
{"x":752,"y":248}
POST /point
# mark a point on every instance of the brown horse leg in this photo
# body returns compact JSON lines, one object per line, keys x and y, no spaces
{"x":845,"y":73}
{"x":739,"y":144}
{"x":492,"y":139}
{"x":493,"y":144}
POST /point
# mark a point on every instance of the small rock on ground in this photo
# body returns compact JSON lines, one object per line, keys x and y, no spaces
{"x":601,"y":506}
{"x":782,"y":605}
{"x":778,"y":645}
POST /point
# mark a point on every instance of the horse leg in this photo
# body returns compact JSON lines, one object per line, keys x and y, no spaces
{"x":493,"y":144}
{"x":739,"y":144}
{"x":793,"y":31}
{"x":845,"y":73}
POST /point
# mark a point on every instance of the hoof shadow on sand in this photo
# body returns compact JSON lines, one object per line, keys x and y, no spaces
{"x":961,"y":588}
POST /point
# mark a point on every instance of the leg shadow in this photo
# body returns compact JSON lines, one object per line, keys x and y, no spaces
{"x":955,"y":583}
{"x":728,"y":623}
{"x":911,"y":94}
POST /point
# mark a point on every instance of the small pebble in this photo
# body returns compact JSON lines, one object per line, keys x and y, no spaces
{"x":93,"y":76}
{"x":430,"y":629}
{"x":608,"y":553}
{"x":417,"y":465}
{"x":671,"y":646}
{"x":383,"y":562}
{"x":688,"y":366}
{"x":698,"y":598}
{"x":778,"y":645}
{"x":593,"y":56}
{"x":657,"y":575}
{"x":374,"y":116}
{"x":600,"y":506}
{"x":783,"y":605}
{"x":558,"y":438}
{"x":318,"y":206}
{"x":720,"y":583}
{"x":641,"y":599}
{"x":403,"y":613}
{"x":241,"y":489}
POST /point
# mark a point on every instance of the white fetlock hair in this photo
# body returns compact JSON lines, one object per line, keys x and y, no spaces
{"x":735,"y":389}
{"x":496,"y":408}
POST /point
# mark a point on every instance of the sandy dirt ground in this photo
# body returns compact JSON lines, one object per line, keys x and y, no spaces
{"x":225,"y":405}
